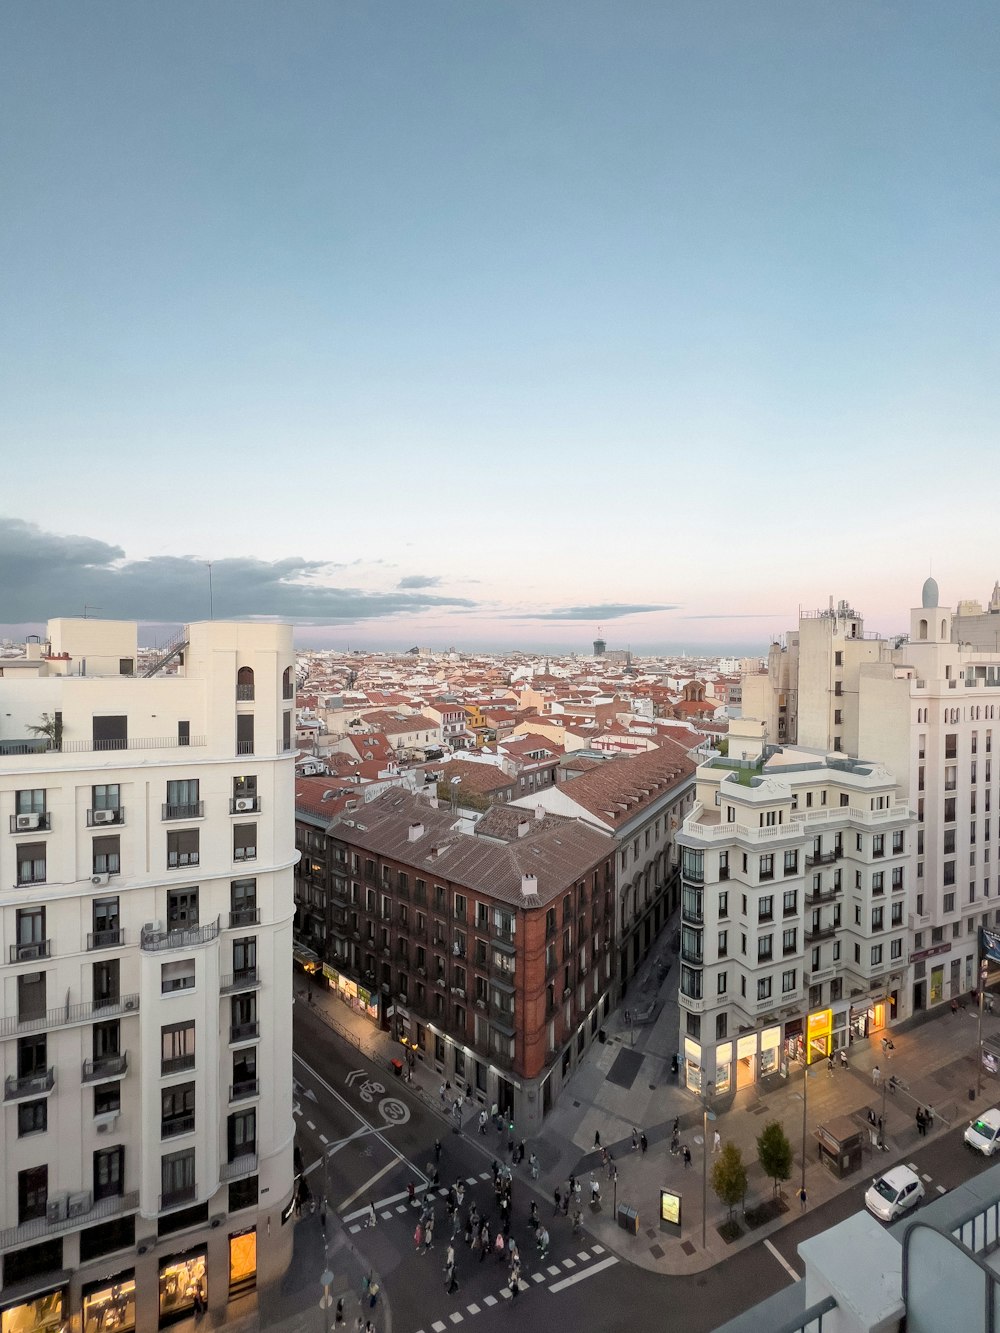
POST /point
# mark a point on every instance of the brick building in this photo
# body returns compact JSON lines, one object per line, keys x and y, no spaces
{"x":491,"y":953}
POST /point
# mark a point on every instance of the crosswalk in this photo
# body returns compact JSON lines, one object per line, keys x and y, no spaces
{"x":386,"y":1209}
{"x":553,"y":1278}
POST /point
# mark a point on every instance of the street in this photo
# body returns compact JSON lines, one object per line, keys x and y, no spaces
{"x":379,"y":1136}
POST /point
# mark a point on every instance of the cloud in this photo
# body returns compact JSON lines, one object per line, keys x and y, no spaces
{"x":737,"y":615}
{"x":45,"y":574}
{"x":603,"y":611}
{"x":419,"y":581}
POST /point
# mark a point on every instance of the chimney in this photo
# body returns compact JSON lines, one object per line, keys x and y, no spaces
{"x":434,"y":853}
{"x":522,"y":827}
{"x":415,"y":831}
{"x":529,"y":886}
{"x":434,"y":802}
{"x":539,"y":812}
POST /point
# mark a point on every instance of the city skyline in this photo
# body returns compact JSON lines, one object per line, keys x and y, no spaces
{"x":491,"y":327}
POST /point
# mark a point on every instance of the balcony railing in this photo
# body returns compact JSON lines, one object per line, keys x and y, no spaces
{"x":105,"y":1066}
{"x":247,"y":978}
{"x":244,"y":1165}
{"x":823,"y":858}
{"x":815,"y":898}
{"x":244,"y":916}
{"x":249,"y":1087}
{"x":244,"y":747}
{"x":28,"y":823}
{"x":105,"y":939}
{"x":189,"y":810}
{"x":96,"y":818}
{"x":184,"y":937}
{"x":69,"y":1014}
{"x":175,"y":1197}
{"x":95,"y":1210}
{"x":30,"y":950}
{"x":244,"y":1031}
{"x":819,"y":933}
{"x":86,"y":745}
{"x":31,"y":1085}
{"x":177,"y":1125}
{"x":244,"y":694}
{"x":176,"y":1064}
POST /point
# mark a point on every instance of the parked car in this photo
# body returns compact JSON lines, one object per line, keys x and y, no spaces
{"x":984,"y":1134}
{"x":893,"y":1194}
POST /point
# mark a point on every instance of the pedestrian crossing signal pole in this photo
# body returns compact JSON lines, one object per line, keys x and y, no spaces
{"x":326,"y":1300}
{"x":984,"y":969}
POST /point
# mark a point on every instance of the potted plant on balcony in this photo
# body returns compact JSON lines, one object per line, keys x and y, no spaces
{"x":50,"y":728}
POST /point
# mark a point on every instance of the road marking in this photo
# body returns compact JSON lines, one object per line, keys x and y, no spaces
{"x":323,"y":1139}
{"x":505,"y":1294}
{"x":484,"y":1175}
{"x":438,"y":1327}
{"x":472,"y":1309}
{"x":569,"y":1263}
{"x":310,"y":1125}
{"x":355,"y":1229}
{"x":456,"y":1316}
{"x":490,"y":1300}
{"x":583,"y":1256}
{"x":598,"y":1249}
{"x":584,"y":1273}
{"x":554,"y":1270}
{"x":942,"y":1189}
{"x":367,"y":1186}
{"x":471,"y":1180}
{"x":784,"y":1262}
{"x":538,"y":1277}
{"x":382,"y":1203}
{"x":403,"y":1208}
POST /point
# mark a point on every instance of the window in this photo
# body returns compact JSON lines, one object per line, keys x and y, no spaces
{"x":182,"y":908}
{"x":176,"y":1110}
{"x":788,"y":981}
{"x":109,"y":1173}
{"x":948,"y":875}
{"x":107,"y":856}
{"x":245,"y":956}
{"x":106,"y":982}
{"x":790,"y":902}
{"x":723,"y":905}
{"x":241,"y":1133}
{"x":878,"y":918}
{"x":31,"y":863}
{"x":177,"y":975}
{"x":876,"y":954}
{"x":788,"y":941}
{"x":721,"y":983}
{"x":767,"y":867}
{"x":30,"y":803}
{"x":107,"y":1098}
{"x":244,"y":842}
{"x":177,"y":1178}
{"x":897,"y":914}
{"x":764,"y":945}
{"x":791,"y":862}
{"x":723,"y":948}
{"x":176,"y":1047}
{"x":182,"y":848}
{"x":765,"y":908}
{"x":32,"y":1193}
{"x":460,"y":907}
{"x":106,"y":796}
{"x":723,"y":865}
{"x":244,"y":733}
{"x":243,"y":902}
{"x":878,"y":881}
{"x":878,"y":844}
{"x":895,"y":949}
{"x":32,"y":1117}
{"x":763,"y":988}
{"x":183,"y":800}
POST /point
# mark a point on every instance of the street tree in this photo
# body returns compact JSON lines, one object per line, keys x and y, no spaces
{"x":729,"y":1176}
{"x":774,"y":1152}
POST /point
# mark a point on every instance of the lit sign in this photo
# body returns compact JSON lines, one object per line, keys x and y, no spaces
{"x":820,"y":1025}
{"x":670,"y":1207}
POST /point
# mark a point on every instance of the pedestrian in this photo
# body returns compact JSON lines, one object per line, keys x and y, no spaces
{"x":460,"y":1192}
{"x":452,"y":1281}
{"x":533,"y":1216}
{"x":802,"y":1199}
{"x":595,"y":1191}
{"x":511,"y":1146}
{"x":338,"y":1317}
{"x":370,"y":1219}
{"x":533,"y":1164}
{"x":717,"y":1142}
{"x":373,"y":1292}
{"x":635,"y":1138}
{"x":557,"y":1198}
{"x":829,"y":1065}
{"x":597,"y":1138}
{"x":920,"y":1121}
{"x":612,"y":1171}
{"x":449,"y":1256}
{"x":484,"y":1241}
{"x":482,"y":1121}
{"x":876,"y":1076}
{"x":443,"y":1093}
{"x":411,"y":1194}
{"x":429,"y":1236}
{"x":577,"y":1222}
{"x":515,"y":1282}
{"x":498,"y":1246}
{"x":418,"y":1237}
{"x":954,"y":1005}
{"x":642,"y":1142}
{"x":686,"y":1154}
{"x":604,"y":1157}
{"x":322,"y":1214}
{"x":437,"y":1150}
{"x":843,"y":1058}
{"x":520,"y":1152}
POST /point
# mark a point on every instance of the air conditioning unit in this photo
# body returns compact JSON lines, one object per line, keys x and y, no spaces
{"x":105,"y":816}
{"x":100,"y":879}
{"x":105,"y":1123}
{"x":480,"y":1004}
{"x":25,"y":952}
{"x":243,"y":804}
{"x":55,"y":1209}
{"x":28,"y":821}
{"x":457,"y":990}
{"x":217,"y":1221}
{"x":79,"y":1204}
{"x":153,"y":927}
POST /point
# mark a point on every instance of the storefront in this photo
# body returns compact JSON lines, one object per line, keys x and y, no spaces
{"x":356,"y":997}
{"x":41,"y":1314}
{"x":746,"y":1061}
{"x":770,"y":1047}
{"x":109,"y":1306}
{"x":242,"y":1262}
{"x":183,"y":1286}
{"x":723,"y":1067}
{"x":869,"y":1016}
{"x":819,"y":1032}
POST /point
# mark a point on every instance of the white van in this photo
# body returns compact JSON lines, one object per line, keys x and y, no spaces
{"x":984,"y":1134}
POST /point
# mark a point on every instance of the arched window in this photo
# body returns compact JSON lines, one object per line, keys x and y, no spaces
{"x":922,"y":630}
{"x":244,"y":683}
{"x":944,"y":629}
{"x":287,"y":684}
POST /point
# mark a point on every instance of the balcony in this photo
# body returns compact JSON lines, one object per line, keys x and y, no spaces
{"x":105,"y":939}
{"x":175,"y":1197}
{"x":817,"y":898}
{"x":176,"y":1126}
{"x":244,"y":1032}
{"x":38,"y":823}
{"x":244,"y":1165}
{"x":190,"y":810}
{"x":247,"y":978}
{"x":176,"y":1064}
{"x":244,"y":747}
{"x":823,"y":858}
{"x":183,"y":937}
{"x":30,"y":1085}
{"x":30,"y":951}
{"x":104,"y":818}
{"x":244,"y":805}
{"x":818,"y":933}
{"x":86,"y":745}
{"x":244,"y":694}
{"x":249,"y":1087}
{"x":244,"y":916}
{"x":75,"y":1215}
{"x":69,"y":1015}
{"x":104,"y":1066}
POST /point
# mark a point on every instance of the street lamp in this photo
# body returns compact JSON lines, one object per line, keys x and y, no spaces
{"x":707,"y":1115}
{"x":984,"y":969}
{"x":326,"y":1300}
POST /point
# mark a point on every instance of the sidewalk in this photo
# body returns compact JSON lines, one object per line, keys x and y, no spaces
{"x":608,"y":1095}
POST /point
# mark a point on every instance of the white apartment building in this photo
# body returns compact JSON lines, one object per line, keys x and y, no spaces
{"x":146,"y":919}
{"x":794,"y":900}
{"x":926,"y":705}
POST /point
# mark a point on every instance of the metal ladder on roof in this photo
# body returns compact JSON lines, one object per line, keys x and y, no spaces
{"x":172,"y":651}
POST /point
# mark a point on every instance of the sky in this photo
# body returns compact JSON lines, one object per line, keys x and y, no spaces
{"x":488,"y":324}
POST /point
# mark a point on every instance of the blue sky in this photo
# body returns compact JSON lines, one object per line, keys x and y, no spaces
{"x":491,"y":322}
